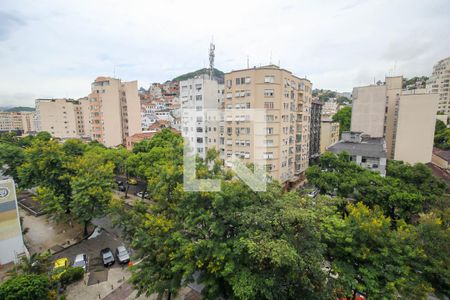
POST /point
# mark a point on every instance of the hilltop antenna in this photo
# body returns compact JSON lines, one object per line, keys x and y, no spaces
{"x":212,"y":47}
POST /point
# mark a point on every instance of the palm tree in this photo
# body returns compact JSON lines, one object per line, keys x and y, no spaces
{"x":37,"y":263}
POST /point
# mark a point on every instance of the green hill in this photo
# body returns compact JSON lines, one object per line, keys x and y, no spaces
{"x":219,"y":75}
{"x":19,"y":108}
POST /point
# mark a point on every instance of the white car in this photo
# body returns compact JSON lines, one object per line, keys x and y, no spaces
{"x":139,"y":194}
{"x":122,"y":255}
{"x":81,"y":260}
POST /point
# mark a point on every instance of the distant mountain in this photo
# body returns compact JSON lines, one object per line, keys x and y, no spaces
{"x":218,"y":75}
{"x":19,"y":108}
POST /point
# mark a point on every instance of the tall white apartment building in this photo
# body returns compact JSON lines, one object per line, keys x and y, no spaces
{"x":63,"y":118}
{"x":439,"y":83}
{"x":201,"y":99}
{"x":115,"y":110}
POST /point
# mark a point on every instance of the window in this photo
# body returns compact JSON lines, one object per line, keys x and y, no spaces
{"x":198,"y":97}
{"x":269,"y":118}
{"x":269,"y":130}
{"x":268,"y":93}
{"x":199,"y":140}
{"x":238,"y":81}
{"x":248,"y":80}
{"x":268,"y":155}
{"x":268,"y":143}
{"x":268,"y":105}
{"x":269,"y":79}
{"x":229,"y":83}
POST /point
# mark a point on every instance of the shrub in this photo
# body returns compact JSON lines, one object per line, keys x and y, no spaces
{"x":72,"y":275}
{"x":25,"y":287}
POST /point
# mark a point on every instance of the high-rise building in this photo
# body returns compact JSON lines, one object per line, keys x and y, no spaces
{"x":314,"y":136}
{"x":115,"y":110}
{"x":201,"y":101}
{"x":406,"y":119}
{"x":286,"y":100}
{"x":19,"y":122}
{"x":439,"y":83}
{"x":62,"y":118}
{"x":329,"y":134}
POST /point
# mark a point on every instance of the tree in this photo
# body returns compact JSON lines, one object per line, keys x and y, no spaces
{"x":12,"y":157}
{"x":405,"y":192}
{"x":344,"y":117}
{"x":91,"y":187}
{"x":47,"y":166}
{"x":37,"y":263}
{"x":370,"y":257}
{"x":441,"y":135}
{"x":237,"y":243}
{"x":25,"y":287}
{"x":74,"y":147}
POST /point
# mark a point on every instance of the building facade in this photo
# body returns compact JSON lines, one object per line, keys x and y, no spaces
{"x":329,"y":134}
{"x":406,"y":119}
{"x":367,"y":152}
{"x":201,"y":100}
{"x":285,"y":100}
{"x":439,"y":83}
{"x":115,"y":110}
{"x":20,"y":122}
{"x":315,"y":125}
{"x":62,"y":118}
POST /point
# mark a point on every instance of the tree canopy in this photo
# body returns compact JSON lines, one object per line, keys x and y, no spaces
{"x":344,"y":117}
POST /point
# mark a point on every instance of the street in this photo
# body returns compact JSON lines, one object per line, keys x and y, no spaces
{"x":132,"y":189}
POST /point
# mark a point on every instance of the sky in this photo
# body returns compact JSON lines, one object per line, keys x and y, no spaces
{"x":51,"y":49}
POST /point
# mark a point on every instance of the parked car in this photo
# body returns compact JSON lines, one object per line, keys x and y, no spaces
{"x":81,"y":260}
{"x":122,"y":255}
{"x":107,"y":257}
{"x":139,"y":194}
{"x":132,"y":181}
{"x":60,"y":267}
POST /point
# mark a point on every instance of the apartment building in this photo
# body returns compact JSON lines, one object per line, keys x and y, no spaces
{"x":62,"y":118}
{"x":406,"y":119}
{"x":329,"y":134}
{"x":201,"y":101}
{"x":285,"y":100}
{"x":439,"y":84}
{"x":366,"y":151}
{"x":115,"y":110}
{"x":20,"y":122}
{"x":315,"y":124}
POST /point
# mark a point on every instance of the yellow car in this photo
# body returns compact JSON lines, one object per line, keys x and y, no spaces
{"x":132,"y":181}
{"x":60,"y":267}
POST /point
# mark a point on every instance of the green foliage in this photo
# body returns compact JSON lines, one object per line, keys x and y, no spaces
{"x":19,"y":109}
{"x":344,"y":117}
{"x":91,"y":188}
{"x":72,"y":275}
{"x":74,"y":147}
{"x":405,"y":191}
{"x":25,"y":287}
{"x":371,"y":257}
{"x":37,"y":263}
{"x":12,"y":157}
{"x":217,"y":73}
{"x":442,"y":136}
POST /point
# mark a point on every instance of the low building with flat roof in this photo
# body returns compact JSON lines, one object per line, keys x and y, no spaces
{"x":365,"y":151}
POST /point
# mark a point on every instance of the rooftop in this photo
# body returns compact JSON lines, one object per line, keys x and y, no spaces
{"x":444,"y":154}
{"x":367,"y":146}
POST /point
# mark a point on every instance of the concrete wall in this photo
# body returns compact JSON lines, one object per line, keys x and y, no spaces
{"x":415,"y":128}
{"x":368,"y":110}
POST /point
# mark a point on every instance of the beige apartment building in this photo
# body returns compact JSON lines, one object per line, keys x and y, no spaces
{"x":439,"y":83}
{"x":406,"y":119}
{"x":282,"y":144}
{"x":329,"y":134}
{"x":115,"y":110}
{"x":17,"y":121}
{"x":62,"y":118}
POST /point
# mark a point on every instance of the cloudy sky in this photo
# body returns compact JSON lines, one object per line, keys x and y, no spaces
{"x":57,"y":48}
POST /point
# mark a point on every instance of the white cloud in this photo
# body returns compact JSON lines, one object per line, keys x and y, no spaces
{"x":56,"y":48}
